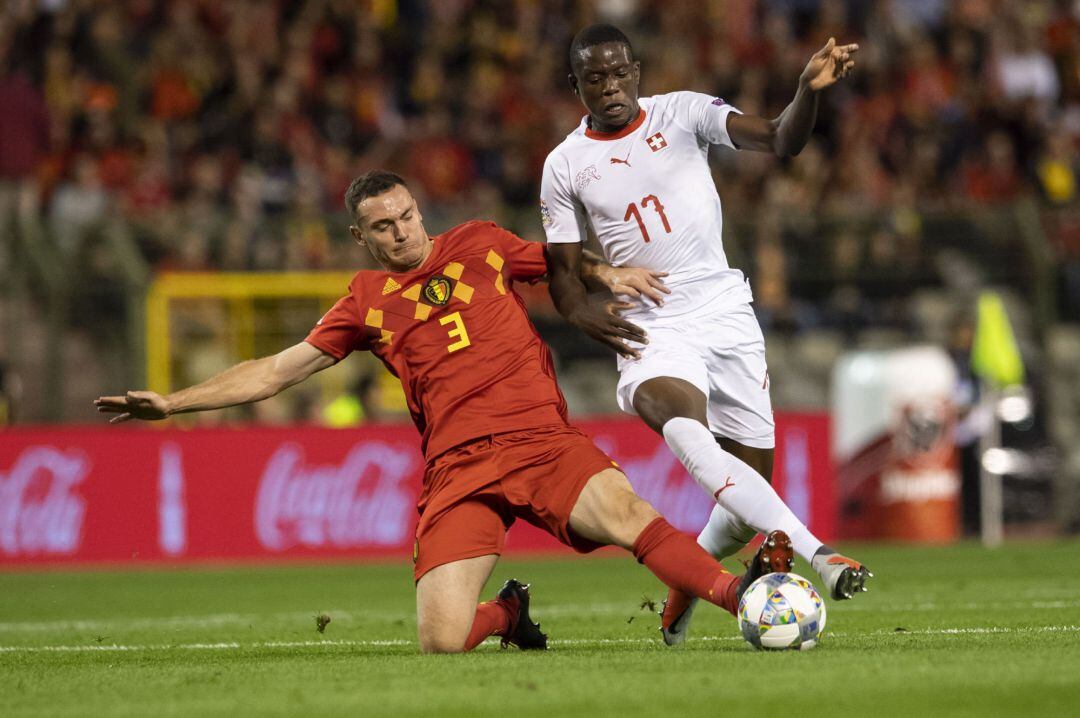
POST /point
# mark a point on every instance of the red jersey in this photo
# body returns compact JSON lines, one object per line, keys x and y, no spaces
{"x":456,"y":335}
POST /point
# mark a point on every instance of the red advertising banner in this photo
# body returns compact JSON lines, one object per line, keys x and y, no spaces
{"x":109,"y":494}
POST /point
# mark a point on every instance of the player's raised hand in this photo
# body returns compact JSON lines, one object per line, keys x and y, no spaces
{"x":635,"y":282}
{"x":602,"y":322}
{"x":145,"y":405}
{"x":829,"y":64}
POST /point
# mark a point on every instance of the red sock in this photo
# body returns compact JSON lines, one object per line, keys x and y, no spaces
{"x":492,"y":619}
{"x":679,"y":562}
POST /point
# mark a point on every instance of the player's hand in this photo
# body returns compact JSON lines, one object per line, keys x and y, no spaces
{"x":602,"y":322}
{"x":829,"y":64}
{"x":636,"y":282}
{"x":145,"y":405}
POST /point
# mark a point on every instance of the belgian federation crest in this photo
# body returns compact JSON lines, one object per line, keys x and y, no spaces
{"x":437,"y":290}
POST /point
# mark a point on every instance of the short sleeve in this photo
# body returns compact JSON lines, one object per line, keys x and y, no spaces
{"x":561,"y":214}
{"x":705,"y":115}
{"x":525,"y":261}
{"x":339,"y":332}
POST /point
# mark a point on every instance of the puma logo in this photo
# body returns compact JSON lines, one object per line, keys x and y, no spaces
{"x":728,"y":483}
{"x":617,"y":161}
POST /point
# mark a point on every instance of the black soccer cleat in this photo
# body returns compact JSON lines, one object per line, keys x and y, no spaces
{"x":775,"y":555}
{"x":523,"y":633}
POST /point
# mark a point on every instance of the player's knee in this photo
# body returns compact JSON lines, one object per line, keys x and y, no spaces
{"x":658,"y":401}
{"x":440,"y":646}
{"x":655,"y":410}
{"x":441,"y":630}
{"x":436,"y":641}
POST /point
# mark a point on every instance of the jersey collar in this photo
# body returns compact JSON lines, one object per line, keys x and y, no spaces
{"x":617,"y":134}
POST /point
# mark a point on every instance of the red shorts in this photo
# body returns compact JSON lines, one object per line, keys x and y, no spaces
{"x":474,"y":492}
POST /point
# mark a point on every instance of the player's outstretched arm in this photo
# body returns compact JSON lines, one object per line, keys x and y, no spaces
{"x":788,"y":134}
{"x":600,"y":321}
{"x":244,"y":383}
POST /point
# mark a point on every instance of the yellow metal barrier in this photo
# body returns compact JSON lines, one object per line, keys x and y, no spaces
{"x":240,"y":290}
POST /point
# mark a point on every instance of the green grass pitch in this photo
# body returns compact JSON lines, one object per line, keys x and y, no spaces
{"x":943,"y":631}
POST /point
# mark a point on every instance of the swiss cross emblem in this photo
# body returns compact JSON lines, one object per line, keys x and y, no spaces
{"x":656,"y":142}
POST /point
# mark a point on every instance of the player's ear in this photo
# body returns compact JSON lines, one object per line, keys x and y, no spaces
{"x":572,"y":81}
{"x":355,"y":232}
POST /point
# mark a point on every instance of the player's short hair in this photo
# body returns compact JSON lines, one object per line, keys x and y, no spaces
{"x":370,"y":184}
{"x":597,"y":34}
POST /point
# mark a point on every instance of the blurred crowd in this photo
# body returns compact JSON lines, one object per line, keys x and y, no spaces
{"x":227,"y":130}
{"x":152,"y":135}
{"x":223,"y":133}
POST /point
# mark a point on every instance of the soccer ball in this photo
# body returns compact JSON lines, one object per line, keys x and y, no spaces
{"x":780,"y":611}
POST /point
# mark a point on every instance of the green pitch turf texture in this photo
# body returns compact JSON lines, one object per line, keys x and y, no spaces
{"x":944,"y":631}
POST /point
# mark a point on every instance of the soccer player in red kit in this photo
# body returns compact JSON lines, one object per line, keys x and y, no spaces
{"x":443,"y":317}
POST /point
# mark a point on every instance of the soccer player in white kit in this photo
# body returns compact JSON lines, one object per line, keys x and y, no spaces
{"x":693,"y":368}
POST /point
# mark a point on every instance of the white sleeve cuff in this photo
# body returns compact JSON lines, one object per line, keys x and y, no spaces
{"x":564,"y":238}
{"x":725,"y":138}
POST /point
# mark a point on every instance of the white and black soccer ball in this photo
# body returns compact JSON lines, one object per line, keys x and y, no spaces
{"x":781,"y":611}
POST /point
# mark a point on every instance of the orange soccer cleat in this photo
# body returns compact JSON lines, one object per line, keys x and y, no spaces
{"x":843,"y":576}
{"x":775,"y":555}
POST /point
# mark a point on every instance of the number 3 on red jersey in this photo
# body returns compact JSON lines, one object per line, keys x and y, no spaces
{"x":457,"y":331}
{"x":632,"y":211}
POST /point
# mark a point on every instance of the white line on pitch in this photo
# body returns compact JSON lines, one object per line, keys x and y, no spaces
{"x":214,"y":620}
{"x":217,"y":620}
{"x":985,"y":630}
{"x":262,"y":619}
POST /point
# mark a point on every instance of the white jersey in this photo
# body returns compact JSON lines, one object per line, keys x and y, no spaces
{"x":649,"y":197}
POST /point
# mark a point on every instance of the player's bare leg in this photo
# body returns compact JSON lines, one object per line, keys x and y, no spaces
{"x":608,"y":511}
{"x":446,"y":598}
{"x":449,"y":620}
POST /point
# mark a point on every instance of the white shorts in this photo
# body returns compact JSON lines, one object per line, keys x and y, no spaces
{"x":723,"y":355}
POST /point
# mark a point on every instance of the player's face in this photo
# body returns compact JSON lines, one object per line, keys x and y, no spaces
{"x":391,"y":227}
{"x":606,"y":78}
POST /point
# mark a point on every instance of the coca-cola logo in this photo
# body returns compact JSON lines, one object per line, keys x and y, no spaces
{"x":40,"y":511}
{"x":364,"y":501}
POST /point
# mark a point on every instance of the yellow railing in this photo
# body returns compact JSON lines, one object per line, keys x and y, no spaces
{"x":240,"y":290}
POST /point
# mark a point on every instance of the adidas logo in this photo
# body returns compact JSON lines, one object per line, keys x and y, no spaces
{"x":390,"y":287}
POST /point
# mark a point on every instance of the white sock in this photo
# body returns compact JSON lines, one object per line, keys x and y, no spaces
{"x":724,"y":535}
{"x":735,"y":485}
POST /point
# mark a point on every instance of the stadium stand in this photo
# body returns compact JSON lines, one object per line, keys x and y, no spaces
{"x":142,"y":137}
